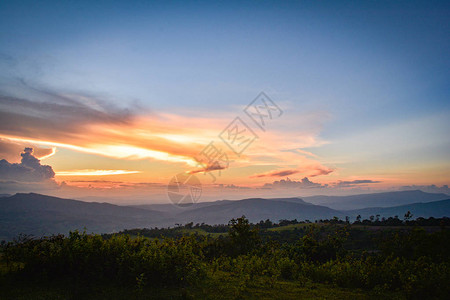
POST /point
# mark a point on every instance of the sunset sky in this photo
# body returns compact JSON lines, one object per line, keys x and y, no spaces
{"x":117,"y":98}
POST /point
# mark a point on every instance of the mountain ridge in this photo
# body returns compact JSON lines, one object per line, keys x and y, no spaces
{"x":40,"y":215}
{"x":383,"y":199}
{"x":436,"y":209}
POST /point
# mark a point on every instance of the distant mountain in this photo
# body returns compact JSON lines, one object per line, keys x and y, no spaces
{"x":437,"y":209}
{"x":388,"y":199}
{"x":175,"y":209}
{"x":257,"y":209}
{"x":44,"y":215}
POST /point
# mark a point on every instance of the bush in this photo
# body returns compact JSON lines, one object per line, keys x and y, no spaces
{"x":120,"y":258}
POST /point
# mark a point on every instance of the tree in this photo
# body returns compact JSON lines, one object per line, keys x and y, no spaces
{"x":243,"y":237}
{"x":408,"y":216}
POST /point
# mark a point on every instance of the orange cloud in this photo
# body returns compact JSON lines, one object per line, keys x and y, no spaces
{"x":210,"y":168}
{"x":281,"y":173}
{"x":85,"y":125}
{"x":311,"y":171}
{"x":321,"y":171}
{"x":90,"y":172}
{"x":53,"y":151}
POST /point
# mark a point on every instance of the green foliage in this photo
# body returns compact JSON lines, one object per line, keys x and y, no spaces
{"x":243,"y":237}
{"x":412,"y":263}
{"x":119,"y":259}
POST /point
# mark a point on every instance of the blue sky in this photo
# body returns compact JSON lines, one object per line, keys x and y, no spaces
{"x":378,"y":70}
{"x":348,"y":57}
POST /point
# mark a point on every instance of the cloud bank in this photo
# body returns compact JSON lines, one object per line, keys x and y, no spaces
{"x":84,"y":123}
{"x":357,"y":182}
{"x":305,"y":183}
{"x":28,"y":170}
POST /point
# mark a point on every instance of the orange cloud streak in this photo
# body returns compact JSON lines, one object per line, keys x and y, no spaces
{"x":48,"y":155}
{"x":90,"y":172}
{"x":173,"y":139}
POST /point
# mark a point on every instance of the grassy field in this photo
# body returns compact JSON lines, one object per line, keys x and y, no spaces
{"x":200,"y":231}
{"x":218,"y":286}
{"x":292,"y":226}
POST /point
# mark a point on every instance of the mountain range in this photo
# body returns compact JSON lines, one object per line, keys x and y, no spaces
{"x":386,"y":199}
{"x":40,"y":215}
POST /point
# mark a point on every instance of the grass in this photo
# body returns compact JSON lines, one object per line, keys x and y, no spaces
{"x":217,"y":286}
{"x":200,"y":231}
{"x":292,"y":226}
{"x":225,"y":286}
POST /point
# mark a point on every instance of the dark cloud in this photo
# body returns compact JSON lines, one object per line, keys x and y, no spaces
{"x":210,"y":168}
{"x":355,"y":182}
{"x":232,"y":186}
{"x":310,"y":171}
{"x":305,"y":183}
{"x":42,"y":114}
{"x":28,"y":170}
{"x":20,"y":116}
{"x":281,"y":173}
{"x":321,"y":171}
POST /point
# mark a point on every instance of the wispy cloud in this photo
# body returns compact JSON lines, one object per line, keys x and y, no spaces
{"x":349,"y":183}
{"x":311,"y":170}
{"x":210,"y":168}
{"x":301,"y":151}
{"x":282,"y":173}
{"x":83,"y":123}
{"x":90,"y":172}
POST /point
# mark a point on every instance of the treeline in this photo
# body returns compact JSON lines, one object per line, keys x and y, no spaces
{"x":173,"y":232}
{"x":412,"y":262}
{"x":180,"y":230}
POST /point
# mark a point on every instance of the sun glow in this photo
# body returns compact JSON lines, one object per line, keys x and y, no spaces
{"x":90,"y":172}
{"x":115,"y":151}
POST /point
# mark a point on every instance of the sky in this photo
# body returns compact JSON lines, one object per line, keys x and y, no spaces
{"x":118,"y":97}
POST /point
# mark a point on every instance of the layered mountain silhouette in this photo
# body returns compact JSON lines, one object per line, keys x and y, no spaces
{"x":40,"y":215}
{"x":436,"y":209}
{"x":387,"y":199}
{"x":257,"y":209}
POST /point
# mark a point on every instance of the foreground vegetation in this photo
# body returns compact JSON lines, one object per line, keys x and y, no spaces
{"x":288,"y":260}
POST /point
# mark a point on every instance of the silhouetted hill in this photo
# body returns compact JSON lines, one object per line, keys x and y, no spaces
{"x":257,"y":209}
{"x":44,"y":215}
{"x":174,"y":209}
{"x":388,"y":199}
{"x":437,"y":209}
